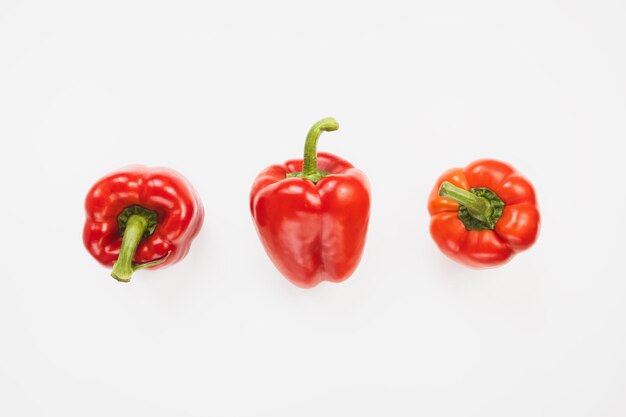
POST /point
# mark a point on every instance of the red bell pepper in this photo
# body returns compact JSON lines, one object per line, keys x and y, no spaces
{"x":483,"y":214}
{"x":141,"y":217}
{"x":312,"y":214}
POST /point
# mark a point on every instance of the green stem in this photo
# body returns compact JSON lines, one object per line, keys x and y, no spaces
{"x":479,"y":208}
{"x":136,"y":226}
{"x":310,"y":171}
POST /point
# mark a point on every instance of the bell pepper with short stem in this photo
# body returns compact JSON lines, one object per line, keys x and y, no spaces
{"x":141,"y":217}
{"x":483,"y":214}
{"x":312,"y":214}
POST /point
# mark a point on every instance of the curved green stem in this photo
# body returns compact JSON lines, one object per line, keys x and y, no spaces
{"x":136,"y":226}
{"x":479,"y":208}
{"x":310,"y":171}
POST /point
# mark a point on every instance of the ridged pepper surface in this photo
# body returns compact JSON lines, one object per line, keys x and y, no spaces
{"x":483,"y":214}
{"x":141,"y":217}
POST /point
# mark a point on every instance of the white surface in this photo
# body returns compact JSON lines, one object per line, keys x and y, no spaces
{"x":218,"y":91}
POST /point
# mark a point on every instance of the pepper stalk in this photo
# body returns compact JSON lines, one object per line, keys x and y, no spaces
{"x":479,"y":208}
{"x":310,"y":171}
{"x":135,"y":224}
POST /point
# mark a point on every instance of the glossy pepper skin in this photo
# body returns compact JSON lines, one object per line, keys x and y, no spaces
{"x":312,"y":215}
{"x":140,"y":217}
{"x":483,"y":214}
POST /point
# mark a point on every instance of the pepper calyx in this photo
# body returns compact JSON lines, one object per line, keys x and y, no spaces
{"x":150,"y":216}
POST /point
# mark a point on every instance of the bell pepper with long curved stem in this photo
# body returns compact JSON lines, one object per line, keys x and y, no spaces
{"x":312,"y":214}
{"x":141,"y":217}
{"x":484,"y":214}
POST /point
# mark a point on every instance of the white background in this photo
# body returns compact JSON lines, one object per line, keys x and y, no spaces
{"x":219,"y":91}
